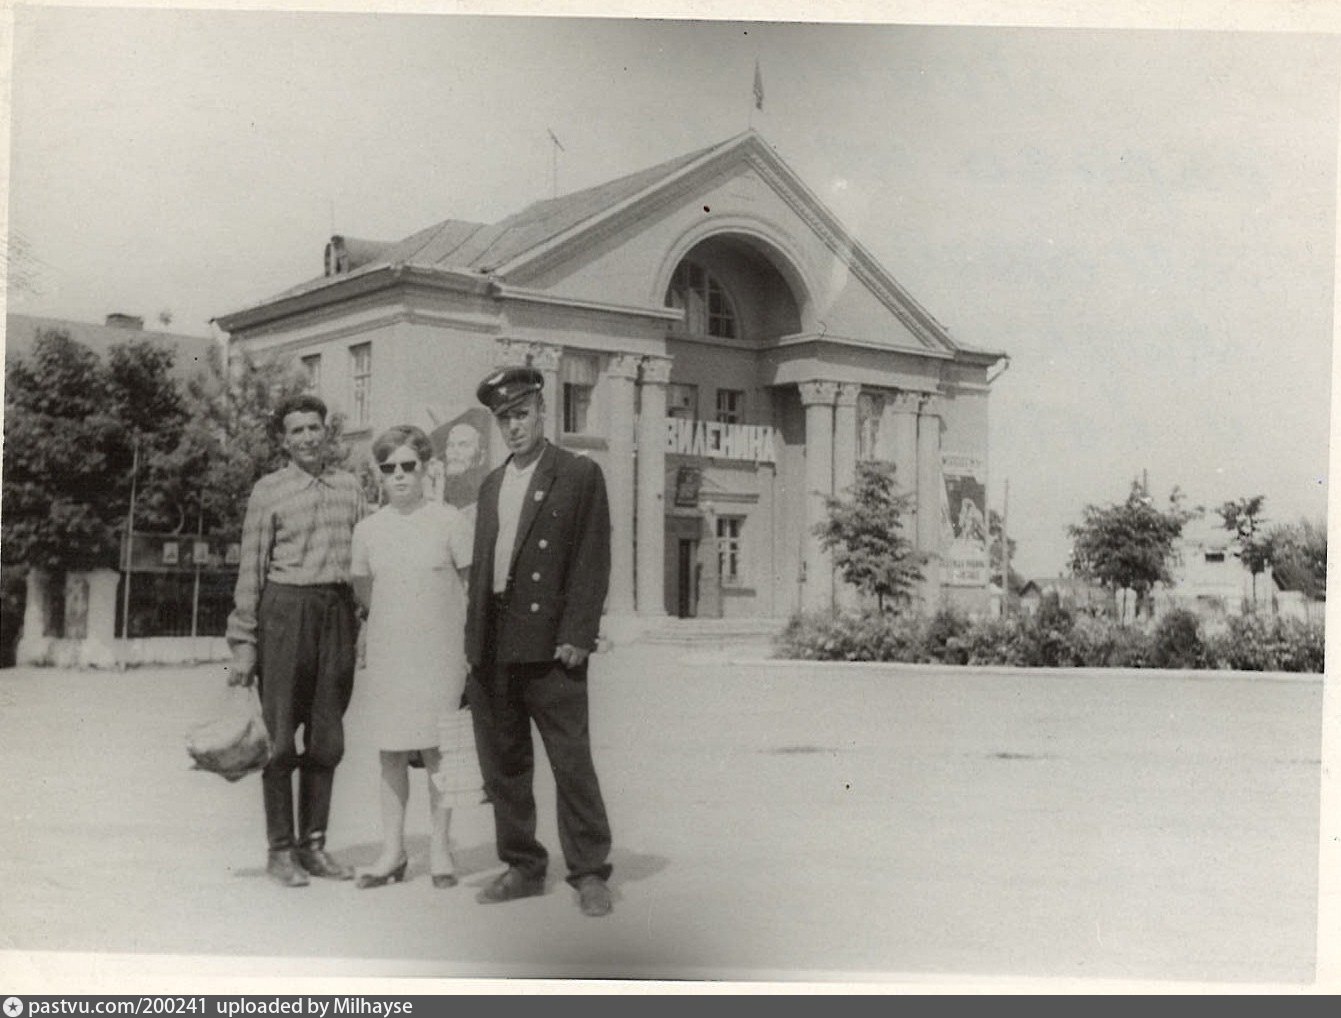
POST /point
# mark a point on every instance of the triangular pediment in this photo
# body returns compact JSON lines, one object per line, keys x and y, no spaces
{"x":747,"y":159}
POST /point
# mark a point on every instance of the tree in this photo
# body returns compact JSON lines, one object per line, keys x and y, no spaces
{"x":72,"y":425}
{"x":1243,"y":518}
{"x":864,"y":535}
{"x":1130,"y":545}
{"x":205,"y":479}
{"x":1297,"y":553}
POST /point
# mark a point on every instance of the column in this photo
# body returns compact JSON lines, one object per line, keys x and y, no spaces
{"x":100,"y":646}
{"x":710,"y":583}
{"x":845,"y":437}
{"x":32,"y":645}
{"x":818,"y":398}
{"x":929,"y":494}
{"x":845,"y":466}
{"x":651,"y":516}
{"x":546,"y":358}
{"x":621,"y":371}
{"x":902,"y":408}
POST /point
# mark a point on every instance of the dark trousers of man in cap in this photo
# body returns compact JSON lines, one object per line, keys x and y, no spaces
{"x":534,"y":615}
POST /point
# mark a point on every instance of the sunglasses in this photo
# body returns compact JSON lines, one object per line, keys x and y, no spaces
{"x":409,"y":466}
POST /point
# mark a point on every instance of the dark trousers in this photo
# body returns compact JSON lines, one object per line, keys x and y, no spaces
{"x":504,"y":700}
{"x":305,"y":663}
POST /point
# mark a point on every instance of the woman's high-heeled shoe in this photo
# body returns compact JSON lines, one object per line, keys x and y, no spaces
{"x":365,"y":880}
{"x":444,"y":880}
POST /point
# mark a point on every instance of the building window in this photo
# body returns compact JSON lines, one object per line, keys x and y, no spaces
{"x":1215,"y":556}
{"x":730,"y":559}
{"x":682,"y":401}
{"x":312,"y":369}
{"x":577,"y":381}
{"x":730,"y":406}
{"x":708,"y":310}
{"x":361,"y":376}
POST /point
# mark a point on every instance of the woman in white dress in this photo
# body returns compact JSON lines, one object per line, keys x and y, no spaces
{"x":410,"y":560}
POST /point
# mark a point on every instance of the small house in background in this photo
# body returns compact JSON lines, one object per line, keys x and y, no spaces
{"x":1073,"y":593}
{"x":1210,"y":578}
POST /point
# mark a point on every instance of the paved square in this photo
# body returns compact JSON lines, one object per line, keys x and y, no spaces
{"x":772,"y":821}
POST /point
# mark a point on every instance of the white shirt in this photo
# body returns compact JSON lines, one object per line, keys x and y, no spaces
{"x":511,"y":495}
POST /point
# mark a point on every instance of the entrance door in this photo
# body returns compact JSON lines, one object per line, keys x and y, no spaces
{"x":686,"y":578}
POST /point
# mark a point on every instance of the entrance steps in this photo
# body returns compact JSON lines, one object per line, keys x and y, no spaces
{"x":712,"y":632}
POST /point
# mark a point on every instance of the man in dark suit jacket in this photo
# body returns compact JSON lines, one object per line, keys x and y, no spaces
{"x":537,"y":586}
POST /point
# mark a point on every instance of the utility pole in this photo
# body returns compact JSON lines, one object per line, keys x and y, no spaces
{"x":1005,"y":554}
{"x":130,"y":543}
{"x":195,"y":560}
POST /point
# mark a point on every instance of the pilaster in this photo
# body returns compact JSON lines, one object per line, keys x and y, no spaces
{"x":929,"y":494}
{"x":621,"y":372}
{"x":845,"y":464}
{"x":818,"y":399}
{"x":651,"y":488}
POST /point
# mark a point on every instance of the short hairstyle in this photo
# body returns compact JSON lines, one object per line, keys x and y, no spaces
{"x":304,"y":403}
{"x":402,"y":434}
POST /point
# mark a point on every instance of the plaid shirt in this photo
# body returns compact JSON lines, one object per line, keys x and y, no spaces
{"x":298,"y":530}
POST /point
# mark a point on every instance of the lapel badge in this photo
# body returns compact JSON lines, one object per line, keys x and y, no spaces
{"x":539,"y":496}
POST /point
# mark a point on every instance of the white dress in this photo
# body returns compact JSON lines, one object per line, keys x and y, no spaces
{"x":416,"y":626}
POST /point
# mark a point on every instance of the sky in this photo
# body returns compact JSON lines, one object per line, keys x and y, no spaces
{"x":1144,"y":220}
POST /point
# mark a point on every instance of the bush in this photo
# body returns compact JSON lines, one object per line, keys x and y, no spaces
{"x":945,"y":639}
{"x":1045,"y":634}
{"x":1053,"y":639}
{"x":1090,"y":642}
{"x":1132,"y":648}
{"x":1177,"y":641}
{"x":850,"y":636}
{"x":1252,"y":643}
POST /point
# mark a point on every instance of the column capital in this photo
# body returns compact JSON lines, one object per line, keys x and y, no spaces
{"x":818,"y":392}
{"x":512,"y":352}
{"x":622,"y":365}
{"x":931,"y":404}
{"x":656,"y":369}
{"x":544,"y":356}
{"x":508,"y":352}
{"x":905,"y":401}
{"x":848,"y":393}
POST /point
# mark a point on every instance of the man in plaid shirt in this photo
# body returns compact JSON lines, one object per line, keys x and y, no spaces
{"x":293,"y":628}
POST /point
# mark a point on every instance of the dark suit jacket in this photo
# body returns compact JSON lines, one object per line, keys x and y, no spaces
{"x":560,"y":562}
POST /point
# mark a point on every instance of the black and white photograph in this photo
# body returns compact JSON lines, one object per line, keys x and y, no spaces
{"x":747,"y":496}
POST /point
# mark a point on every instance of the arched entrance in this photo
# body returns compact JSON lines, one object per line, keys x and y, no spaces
{"x":720,"y":538}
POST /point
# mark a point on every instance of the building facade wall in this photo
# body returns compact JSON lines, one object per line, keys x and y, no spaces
{"x":818,"y":345}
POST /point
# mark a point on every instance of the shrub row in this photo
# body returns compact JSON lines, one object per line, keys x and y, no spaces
{"x":1055,"y":638}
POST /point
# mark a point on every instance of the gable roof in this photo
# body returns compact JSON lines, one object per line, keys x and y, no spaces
{"x":544,"y":228}
{"x":192,"y":352}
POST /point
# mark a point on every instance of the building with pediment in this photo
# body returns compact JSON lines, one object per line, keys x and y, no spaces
{"x":710,"y":333}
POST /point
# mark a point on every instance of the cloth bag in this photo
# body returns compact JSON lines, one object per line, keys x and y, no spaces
{"x":234,"y":742}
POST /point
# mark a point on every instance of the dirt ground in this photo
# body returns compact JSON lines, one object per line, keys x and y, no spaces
{"x":898,"y":825}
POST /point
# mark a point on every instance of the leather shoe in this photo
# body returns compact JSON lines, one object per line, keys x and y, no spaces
{"x":511,"y":885}
{"x":316,"y":861}
{"x":593,"y":896}
{"x":283,"y":869}
{"x":393,"y":876}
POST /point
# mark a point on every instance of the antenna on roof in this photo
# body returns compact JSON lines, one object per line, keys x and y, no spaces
{"x":554,"y":162}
